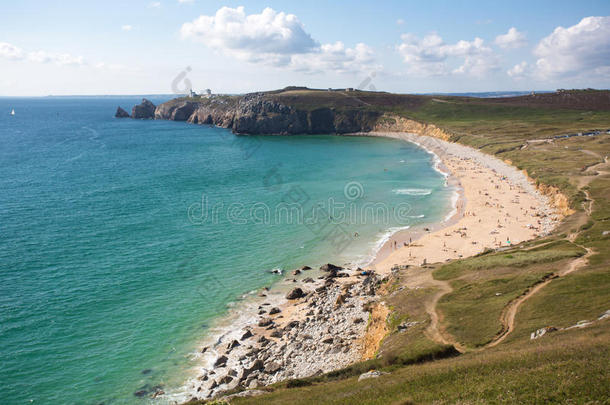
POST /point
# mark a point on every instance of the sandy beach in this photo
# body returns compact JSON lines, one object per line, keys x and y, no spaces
{"x":275,"y":337}
{"x":497,"y":207}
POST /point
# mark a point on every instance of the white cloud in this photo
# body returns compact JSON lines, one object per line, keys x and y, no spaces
{"x":580,"y":50}
{"x":13,"y":52}
{"x":9,"y":51}
{"x":154,"y":4}
{"x":430,"y":56}
{"x":336,"y":58}
{"x":185,"y":1}
{"x":400,"y":21}
{"x":273,"y":38}
{"x":61,"y":59}
{"x":519,"y":70}
{"x":512,"y":39}
{"x":268,"y":36}
{"x":126,"y":27}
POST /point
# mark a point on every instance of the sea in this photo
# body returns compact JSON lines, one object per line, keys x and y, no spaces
{"x":123,"y":241}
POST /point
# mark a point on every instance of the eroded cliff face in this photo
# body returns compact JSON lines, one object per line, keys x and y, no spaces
{"x":253,"y":114}
{"x":558,"y":200}
{"x":393,"y":123}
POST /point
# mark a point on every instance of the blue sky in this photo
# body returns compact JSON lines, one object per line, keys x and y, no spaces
{"x":136,"y":47}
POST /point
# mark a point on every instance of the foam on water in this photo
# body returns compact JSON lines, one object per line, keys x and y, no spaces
{"x":412,"y":191}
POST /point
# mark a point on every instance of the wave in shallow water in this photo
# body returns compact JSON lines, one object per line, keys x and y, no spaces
{"x":412,"y":191}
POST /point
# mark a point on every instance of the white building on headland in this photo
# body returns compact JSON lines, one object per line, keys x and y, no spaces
{"x":207,"y":93}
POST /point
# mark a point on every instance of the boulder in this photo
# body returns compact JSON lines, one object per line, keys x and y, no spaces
{"x":274,"y":311}
{"x":330,"y":267}
{"x":256,"y":365}
{"x":120,"y":113}
{"x":221,"y":361}
{"x":308,"y":280}
{"x":232,"y":345}
{"x":292,"y":324}
{"x":542,"y":331}
{"x":265,"y":322}
{"x":262,"y":339}
{"x":144,"y":110}
{"x":246,"y":335}
{"x":296,"y":293}
{"x":305,"y":268}
{"x":371,"y":374}
{"x":296,"y":272}
{"x":226,"y":379}
{"x":272,"y":367}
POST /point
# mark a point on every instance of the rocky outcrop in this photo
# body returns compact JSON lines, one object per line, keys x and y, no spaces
{"x":257,"y":114}
{"x":144,"y":110}
{"x":323,"y":338}
{"x":120,"y":113}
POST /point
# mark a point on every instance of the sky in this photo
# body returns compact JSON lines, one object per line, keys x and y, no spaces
{"x":109,"y":47}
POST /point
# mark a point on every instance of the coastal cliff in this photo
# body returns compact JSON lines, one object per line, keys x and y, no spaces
{"x":257,"y":114}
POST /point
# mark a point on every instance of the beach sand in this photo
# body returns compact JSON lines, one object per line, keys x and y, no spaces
{"x":496,"y":206}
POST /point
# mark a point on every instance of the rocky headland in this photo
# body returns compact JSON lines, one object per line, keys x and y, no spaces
{"x":260,"y":113}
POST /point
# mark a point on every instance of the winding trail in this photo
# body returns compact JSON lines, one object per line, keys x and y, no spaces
{"x":422,"y":278}
{"x":507,"y":318}
{"x":434,"y":330}
{"x":510,"y":311}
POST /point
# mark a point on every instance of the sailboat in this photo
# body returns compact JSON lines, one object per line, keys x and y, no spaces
{"x":13,"y":111}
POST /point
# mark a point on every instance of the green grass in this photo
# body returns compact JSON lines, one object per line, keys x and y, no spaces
{"x":569,"y":367}
{"x":514,"y":258}
{"x":472,"y":311}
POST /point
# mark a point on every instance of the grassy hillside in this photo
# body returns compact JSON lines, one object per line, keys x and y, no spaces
{"x":477,"y":355}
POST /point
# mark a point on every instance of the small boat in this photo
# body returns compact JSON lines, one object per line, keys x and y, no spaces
{"x":13,"y":111}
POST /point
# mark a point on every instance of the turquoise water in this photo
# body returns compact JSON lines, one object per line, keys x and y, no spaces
{"x":122,"y":240}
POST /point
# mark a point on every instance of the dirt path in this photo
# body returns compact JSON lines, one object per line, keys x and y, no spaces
{"x":434,"y":331}
{"x":422,"y":278}
{"x":508,"y":315}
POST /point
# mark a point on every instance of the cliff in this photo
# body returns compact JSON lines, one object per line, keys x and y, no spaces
{"x":394,"y":123}
{"x":257,"y":113}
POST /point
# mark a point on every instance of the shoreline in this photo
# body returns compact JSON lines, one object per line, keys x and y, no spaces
{"x":326,"y":328}
{"x":490,"y":192}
